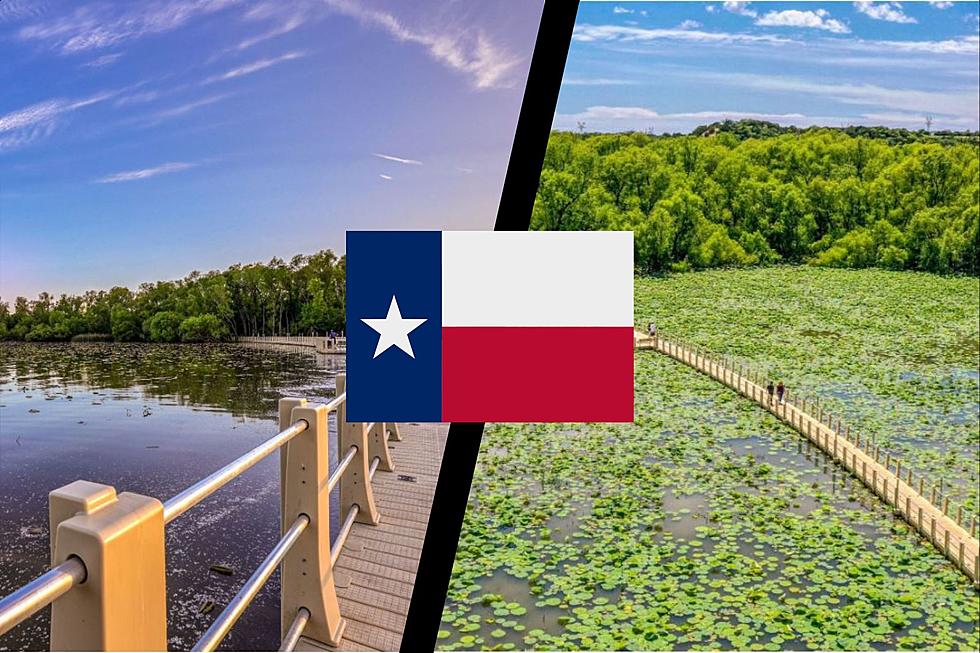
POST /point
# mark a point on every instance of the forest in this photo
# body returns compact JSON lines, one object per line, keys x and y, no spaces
{"x":302,"y":297}
{"x":723,"y":196}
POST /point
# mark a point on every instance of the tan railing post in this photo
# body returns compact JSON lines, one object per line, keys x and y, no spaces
{"x":122,"y":604}
{"x":355,"y":484}
{"x":307,"y":573}
{"x":394,"y":434}
{"x":378,"y":447}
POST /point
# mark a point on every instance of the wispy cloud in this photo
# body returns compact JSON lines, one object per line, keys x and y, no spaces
{"x":37,"y":121}
{"x":386,"y":177}
{"x":99,"y":25}
{"x":689,"y":24}
{"x":816,"y":19}
{"x":622,"y":10}
{"x":17,"y":10}
{"x":285,"y":16}
{"x":627,"y":34}
{"x":953,"y":102}
{"x":145,"y":173}
{"x":968,"y":45}
{"x":888,"y":11}
{"x":397,"y":159}
{"x":254,"y":67}
{"x":187,"y":107}
{"x":470,"y":52}
{"x":941,"y":4}
{"x":103,"y":61}
{"x":597,"y":81}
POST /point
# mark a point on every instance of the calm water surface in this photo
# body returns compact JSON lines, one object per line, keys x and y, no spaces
{"x":152,"y":419}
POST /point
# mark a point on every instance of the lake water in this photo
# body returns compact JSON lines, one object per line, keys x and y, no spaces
{"x":152,"y":419}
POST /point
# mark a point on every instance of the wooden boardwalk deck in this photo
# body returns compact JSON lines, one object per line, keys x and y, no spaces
{"x":860,"y":458}
{"x":375,"y":573}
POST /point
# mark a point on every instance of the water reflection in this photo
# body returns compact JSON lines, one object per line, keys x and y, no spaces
{"x":152,"y":419}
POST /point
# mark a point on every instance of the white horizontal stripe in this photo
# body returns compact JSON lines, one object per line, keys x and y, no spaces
{"x":537,"y":278}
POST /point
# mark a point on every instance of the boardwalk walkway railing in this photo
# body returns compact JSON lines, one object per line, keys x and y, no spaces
{"x":322,"y":344}
{"x":930,"y":513}
{"x":107,"y":584}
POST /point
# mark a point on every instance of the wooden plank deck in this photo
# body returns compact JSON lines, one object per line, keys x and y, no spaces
{"x":375,"y":573}
{"x":958,"y":544}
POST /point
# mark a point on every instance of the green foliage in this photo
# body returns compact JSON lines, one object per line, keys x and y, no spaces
{"x":304,"y":296}
{"x":163,"y":327}
{"x":202,"y":328}
{"x":752,"y":193}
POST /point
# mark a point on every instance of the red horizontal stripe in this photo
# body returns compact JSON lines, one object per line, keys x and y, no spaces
{"x":537,"y":374}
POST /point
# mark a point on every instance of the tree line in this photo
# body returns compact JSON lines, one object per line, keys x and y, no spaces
{"x":818,"y":196}
{"x":302,"y":297}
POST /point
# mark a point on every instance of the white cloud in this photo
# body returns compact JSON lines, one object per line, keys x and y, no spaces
{"x":963,"y":102}
{"x":473,"y":53}
{"x":625,"y":34}
{"x":145,"y":173}
{"x":397,"y":159}
{"x":254,"y":67}
{"x":941,"y":4}
{"x":711,"y":9}
{"x":967,"y":45}
{"x":888,"y":11}
{"x":187,"y":107}
{"x":818,"y":19}
{"x":386,"y":177}
{"x":689,"y":24}
{"x":597,"y":81}
{"x":622,"y":10}
{"x":32,"y":123}
{"x":104,"y":60}
{"x":94,"y":26}
{"x":738,"y":7}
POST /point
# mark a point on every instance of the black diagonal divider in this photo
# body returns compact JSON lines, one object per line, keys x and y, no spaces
{"x":513,"y":214}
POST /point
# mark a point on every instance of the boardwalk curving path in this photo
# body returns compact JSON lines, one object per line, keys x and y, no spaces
{"x":375,"y":573}
{"x":862,"y":459}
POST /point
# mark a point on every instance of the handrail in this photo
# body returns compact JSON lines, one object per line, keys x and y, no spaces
{"x":341,"y":467}
{"x":295,"y":630}
{"x":46,"y":588}
{"x":338,"y":544}
{"x":213,"y":636}
{"x":40,"y":592}
{"x":181,"y":503}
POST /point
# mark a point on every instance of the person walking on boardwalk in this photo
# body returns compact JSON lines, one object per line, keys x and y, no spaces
{"x":652,"y":330}
{"x":780,"y":391}
{"x":769,"y":390}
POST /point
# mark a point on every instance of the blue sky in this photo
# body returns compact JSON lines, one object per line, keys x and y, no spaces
{"x":670,"y":66}
{"x":143,"y":140}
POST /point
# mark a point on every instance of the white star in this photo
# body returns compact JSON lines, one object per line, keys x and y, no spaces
{"x":394,"y":329}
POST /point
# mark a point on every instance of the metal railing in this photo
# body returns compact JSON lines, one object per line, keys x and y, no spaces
{"x":131,"y":572}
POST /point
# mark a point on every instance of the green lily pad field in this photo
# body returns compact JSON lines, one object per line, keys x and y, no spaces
{"x":707,"y":524}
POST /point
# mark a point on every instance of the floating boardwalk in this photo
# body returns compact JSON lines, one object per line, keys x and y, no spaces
{"x":375,"y":573}
{"x":860,"y":456}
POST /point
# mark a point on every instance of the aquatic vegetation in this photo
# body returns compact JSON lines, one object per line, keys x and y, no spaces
{"x":708,"y":524}
{"x":894,"y":354}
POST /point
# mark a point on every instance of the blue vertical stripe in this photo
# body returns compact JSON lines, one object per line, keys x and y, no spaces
{"x":394,"y":387}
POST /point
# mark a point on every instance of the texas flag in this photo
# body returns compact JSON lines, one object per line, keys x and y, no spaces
{"x":489,"y":326}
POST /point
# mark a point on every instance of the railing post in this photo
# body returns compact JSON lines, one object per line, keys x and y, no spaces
{"x":394,"y":434}
{"x":378,"y":447}
{"x":355,"y":484}
{"x":122,"y":604}
{"x":307,"y":573}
